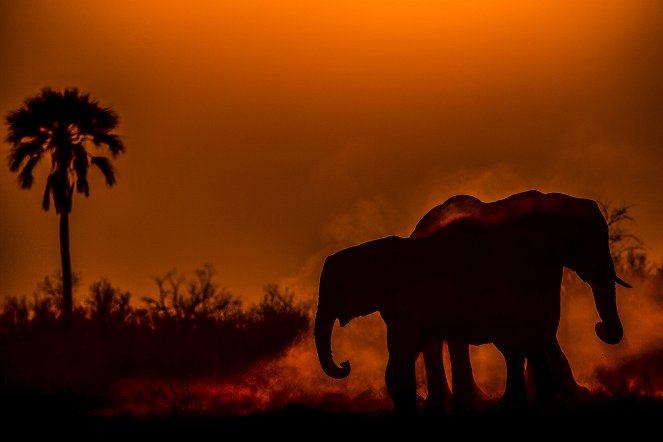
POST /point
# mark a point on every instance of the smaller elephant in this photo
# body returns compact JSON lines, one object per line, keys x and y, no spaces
{"x":470,"y":288}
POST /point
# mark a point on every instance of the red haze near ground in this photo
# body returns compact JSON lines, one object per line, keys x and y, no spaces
{"x":630,"y":369}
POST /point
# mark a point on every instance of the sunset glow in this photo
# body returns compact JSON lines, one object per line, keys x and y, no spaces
{"x":291,"y":117}
{"x":262,"y":136}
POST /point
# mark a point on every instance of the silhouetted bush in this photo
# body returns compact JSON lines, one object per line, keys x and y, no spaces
{"x":193,"y":328}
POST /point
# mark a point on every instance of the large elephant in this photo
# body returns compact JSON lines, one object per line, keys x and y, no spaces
{"x":472,"y":287}
{"x":530,"y":213}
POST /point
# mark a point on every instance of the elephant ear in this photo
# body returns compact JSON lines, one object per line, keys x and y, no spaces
{"x":359,"y":277}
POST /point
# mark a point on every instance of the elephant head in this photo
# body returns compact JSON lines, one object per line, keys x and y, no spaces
{"x":342,"y":296}
{"x":587,"y":252}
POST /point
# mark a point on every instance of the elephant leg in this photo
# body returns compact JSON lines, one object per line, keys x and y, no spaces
{"x":436,"y":379}
{"x":401,"y":385}
{"x":566,"y":384}
{"x":400,"y":377}
{"x":515,"y":394}
{"x":466,"y":392}
{"x":544,"y":379}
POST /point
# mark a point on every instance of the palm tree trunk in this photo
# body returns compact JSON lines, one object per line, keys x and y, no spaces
{"x":66,"y":266}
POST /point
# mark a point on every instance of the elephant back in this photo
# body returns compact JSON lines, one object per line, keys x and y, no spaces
{"x":463,"y":213}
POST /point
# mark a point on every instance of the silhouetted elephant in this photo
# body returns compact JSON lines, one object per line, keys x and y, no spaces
{"x":529,"y":213}
{"x":474,"y":288}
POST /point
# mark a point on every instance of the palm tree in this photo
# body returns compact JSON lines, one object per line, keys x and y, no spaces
{"x":61,"y":125}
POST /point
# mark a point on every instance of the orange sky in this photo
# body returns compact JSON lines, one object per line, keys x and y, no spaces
{"x":262,"y":135}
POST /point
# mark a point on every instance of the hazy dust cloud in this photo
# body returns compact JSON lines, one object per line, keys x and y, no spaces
{"x":628,"y":370}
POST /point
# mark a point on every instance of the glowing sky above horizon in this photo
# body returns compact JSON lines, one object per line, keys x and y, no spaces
{"x":263,"y":135}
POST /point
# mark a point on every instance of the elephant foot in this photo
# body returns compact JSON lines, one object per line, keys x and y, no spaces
{"x":404,"y":412}
{"x":577,"y":395}
{"x":470,"y":399}
{"x":582,"y":392}
{"x":436,"y":405}
{"x":481,"y":401}
{"x":477,"y":402}
{"x":463,"y":406}
{"x":512,"y":402}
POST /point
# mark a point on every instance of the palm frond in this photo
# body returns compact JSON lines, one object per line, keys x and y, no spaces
{"x":21,"y":124}
{"x":112,"y":141}
{"x":19,"y":152}
{"x":59,"y":123}
{"x":25,"y":177}
{"x":106,"y":168}
{"x":81,"y":165}
{"x":104,"y":118}
{"x":82,"y":186}
{"x":46,"y":199}
{"x":37,"y":112}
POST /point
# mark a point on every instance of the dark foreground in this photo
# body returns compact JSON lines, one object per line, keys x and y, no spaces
{"x":610,"y":417}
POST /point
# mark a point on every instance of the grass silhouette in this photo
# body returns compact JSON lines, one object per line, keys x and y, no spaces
{"x":192,"y":329}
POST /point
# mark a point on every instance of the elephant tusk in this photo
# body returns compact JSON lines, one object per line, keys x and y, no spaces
{"x":623,"y":283}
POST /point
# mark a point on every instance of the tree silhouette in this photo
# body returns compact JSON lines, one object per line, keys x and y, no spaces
{"x":61,"y":125}
{"x":627,"y":248}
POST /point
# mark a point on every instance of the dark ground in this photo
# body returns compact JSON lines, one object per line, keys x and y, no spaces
{"x":640,"y":419}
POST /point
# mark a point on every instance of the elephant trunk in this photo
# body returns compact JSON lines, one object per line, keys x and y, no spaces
{"x":609,"y":330}
{"x":324,"y":322}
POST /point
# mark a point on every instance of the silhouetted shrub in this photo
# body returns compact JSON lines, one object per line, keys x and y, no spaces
{"x":192,"y":328}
